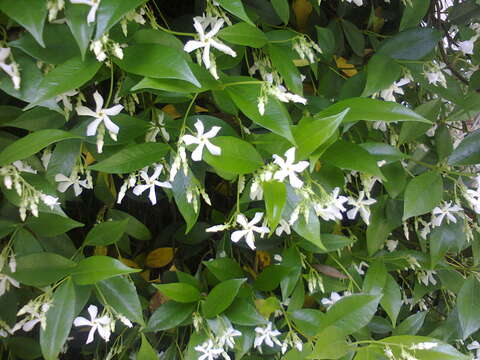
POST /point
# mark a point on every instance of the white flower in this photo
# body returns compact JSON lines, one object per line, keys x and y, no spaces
{"x":248,"y":229}
{"x":427,"y":277}
{"x":439,"y":213}
{"x":281,"y":93}
{"x":100,"y":324}
{"x":466,"y":47}
{"x":288,"y":168}
{"x":65,"y":99}
{"x":475,"y":345}
{"x":5,"y":282}
{"x":23,"y":167}
{"x":435,"y":75}
{"x":36,"y":314}
{"x":380,"y":125}
{"x":206,"y":41}
{"x":11,"y":69}
{"x":94,"y":4}
{"x":389,"y":93}
{"x":216,"y":228}
{"x":473,"y":197}
{"x":391,"y":245}
{"x":266,"y":335}
{"x":427,"y":345}
{"x":334,"y":297}
{"x":359,"y":267}
{"x":360,"y":205}
{"x":66,"y":182}
{"x":283,"y":227}
{"x":357,"y":2}
{"x":150,"y":183}
{"x":227,"y":337}
{"x":157,"y":127}
{"x":101,"y":115}
{"x":333,"y":207}
{"x":202,"y":139}
{"x":49,"y":200}
{"x":210,"y":352}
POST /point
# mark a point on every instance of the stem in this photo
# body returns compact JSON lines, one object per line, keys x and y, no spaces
{"x":223,"y":86}
{"x":110,"y":91}
{"x":175,"y":32}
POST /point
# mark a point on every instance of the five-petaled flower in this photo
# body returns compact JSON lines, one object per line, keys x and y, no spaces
{"x":360,"y":205}
{"x":248,"y":229}
{"x":202,"y":139}
{"x":101,"y":324}
{"x":209,"y":350}
{"x":94,"y":4}
{"x":446,"y":210}
{"x":288,"y":168}
{"x":266,"y":335}
{"x":150,"y":183}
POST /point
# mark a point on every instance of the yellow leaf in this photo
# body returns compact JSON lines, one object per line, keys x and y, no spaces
{"x":267,"y":306}
{"x":318,"y":166}
{"x":263,"y":259}
{"x":160,"y":257}
{"x":172,"y":111}
{"x":129,"y":263}
{"x":301,"y":62}
{"x":145,"y":275}
{"x":100,"y":250}
{"x":345,"y":67}
{"x":89,"y":159}
{"x":200,"y":109}
{"x":302,"y":10}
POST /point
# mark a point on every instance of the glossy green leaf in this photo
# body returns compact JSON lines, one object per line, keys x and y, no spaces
{"x":282,"y":8}
{"x":275,"y":195}
{"x":392,"y":299}
{"x":132,"y":158}
{"x":221,"y":297}
{"x":111,"y":11}
{"x":468,"y":151}
{"x":236,"y":8}
{"x":444,"y":238}
{"x":170,"y":315}
{"x":76,"y":20}
{"x":270,"y":277}
{"x":180,"y":187}
{"x":282,"y":60}
{"x":307,"y":320}
{"x":122,"y":296}
{"x":243,"y":34}
{"x":385,"y":216}
{"x":237,"y":156}
{"x":146,"y":351}
{"x":32,"y":143}
{"x":97,"y":268}
{"x":413,"y":44}
{"x":106,"y":233}
{"x":224,"y":268}
{"x":413,"y":14}
{"x":157,"y":61}
{"x":375,"y":278}
{"x":243,"y":312}
{"x":179,"y":292}
{"x":134,"y":228}
{"x":422,"y":194}
{"x":468,"y":311}
{"x":331,"y":344}
{"x":382,"y":71}
{"x":411,"y":325}
{"x":31,"y":14}
{"x":38,"y":118}
{"x":41,"y":269}
{"x":48,"y":224}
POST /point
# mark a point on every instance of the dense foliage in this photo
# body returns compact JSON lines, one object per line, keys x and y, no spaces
{"x":239,"y":179}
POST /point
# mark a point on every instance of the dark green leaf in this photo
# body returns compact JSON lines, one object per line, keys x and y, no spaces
{"x":468,"y":151}
{"x":411,"y":325}
{"x":236,"y":8}
{"x":468,"y":311}
{"x":270,"y":277}
{"x":180,"y":187}
{"x":242,"y":312}
{"x":392,"y":299}
{"x":106,"y":233}
{"x":97,"y":268}
{"x":413,"y":14}
{"x":221,"y":297}
{"x":76,"y":20}
{"x":134,"y":228}
{"x":243,"y":34}
{"x":375,"y":278}
{"x":47,"y":224}
{"x":282,"y":60}
{"x":224,"y":269}
{"x":111,"y":11}
{"x":422,"y":194}
{"x":146,"y":351}
{"x":354,"y":37}
{"x":179,"y":292}
{"x":275,"y":195}
{"x":413,"y":44}
{"x":382,"y":71}
{"x":282,"y":8}
{"x":444,"y":238}
{"x":170,"y":315}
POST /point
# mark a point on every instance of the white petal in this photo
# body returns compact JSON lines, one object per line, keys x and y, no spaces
{"x":212,"y":132}
{"x":206,"y":56}
{"x":84,"y":111}
{"x":98,"y":101}
{"x":110,"y":125}
{"x":299,"y":167}
{"x":213,"y":149}
{"x":152,"y":196}
{"x":197,"y":153}
{"x":189,"y":140}
{"x":139,"y":189}
{"x":223,"y":48}
{"x":250,"y":240}
{"x":93,"y":126}
{"x":192,"y":45}
{"x":290,"y":155}
{"x":295,"y":181}
{"x":242,"y":220}
{"x":237,"y":235}
{"x":93,"y":311}
{"x":81,"y":321}
{"x":114,"y":110}
{"x":91,"y":333}
{"x":91,"y":13}
{"x":200,"y":128}
{"x":258,"y":217}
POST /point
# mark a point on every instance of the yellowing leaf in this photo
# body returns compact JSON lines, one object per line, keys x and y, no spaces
{"x":172,"y":111}
{"x":129,"y":263}
{"x":344,"y":66}
{"x":160,"y":257}
{"x":100,"y":250}
{"x":263,"y":259}
{"x":200,"y":109}
{"x":145,"y":275}
{"x":301,"y":62}
{"x":302,"y":10}
{"x":267,"y":306}
{"x":89,"y":159}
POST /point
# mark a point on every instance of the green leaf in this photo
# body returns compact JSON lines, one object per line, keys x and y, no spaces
{"x":347,"y":155}
{"x":221,"y":297}
{"x":179,"y":292}
{"x":351,"y":313}
{"x":331,"y":344}
{"x":443,"y":142}
{"x":243,"y":34}
{"x":111,"y":11}
{"x":236,"y":8}
{"x":383,"y":151}
{"x":275,"y":195}
{"x":243,"y":312}
{"x":276,"y":117}
{"x":282,"y":8}
{"x":307,"y":320}
{"x":375,"y":278}
{"x":382,"y":72}
{"x":146,"y":351}
{"x":422,"y":194}
{"x":411,"y":325}
{"x":270,"y":277}
{"x":413,"y":44}
{"x":59,"y":321}
{"x":468,"y":151}
{"x":122,"y":296}
{"x":385,"y":217}
{"x":132,"y":158}
{"x":30,"y":14}
{"x":224,"y":268}
{"x":282,"y":60}
{"x":48,"y":225}
{"x":41,"y":269}
{"x":468,"y":311}
{"x":134,"y":228}
{"x":38,"y":118}
{"x":76,"y":20}
{"x":372,"y":110}
{"x":413,"y":14}
{"x":392,"y":299}
{"x":326,"y":39}
{"x":180,"y":186}
{"x":170,"y":315}
{"x":70,"y":75}
{"x":444,"y":238}
{"x":106,"y":233}
{"x":312,"y":132}
{"x":31,"y":144}
{"x":354,"y":37}
{"x":157,"y":61}
{"x":97,"y":268}
{"x":237,"y":156}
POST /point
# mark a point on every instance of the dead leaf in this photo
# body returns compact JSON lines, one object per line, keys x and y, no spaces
{"x":160,"y":257}
{"x":330,"y":271}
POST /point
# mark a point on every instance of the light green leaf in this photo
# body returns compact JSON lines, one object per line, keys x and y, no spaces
{"x":422,"y":194}
{"x":221,"y":297}
{"x":121,"y":294}
{"x":106,"y":233}
{"x":413,"y":44}
{"x":375,"y":278}
{"x":243,"y":312}
{"x":146,"y":351}
{"x":331,"y":344}
{"x":132,"y":158}
{"x":49,"y":224}
{"x":270,"y":277}
{"x":59,"y":321}
{"x":243,"y":34}
{"x":307,"y":320}
{"x":134,"y":228}
{"x":111,"y":11}
{"x":468,"y":310}
{"x":275,"y":195}
{"x":236,"y":8}
{"x":392,"y":299}
{"x":170,"y":315}
{"x":237,"y":156}
{"x":32,"y":143}
{"x":179,"y":292}
{"x":282,"y":60}
{"x":97,"y":268}
{"x":411,"y":325}
{"x":382,"y":72}
{"x":224,"y":268}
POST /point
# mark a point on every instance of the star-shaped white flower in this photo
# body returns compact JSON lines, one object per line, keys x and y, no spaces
{"x":66,"y":182}
{"x":101,"y":115}
{"x":209,"y":350}
{"x":207,"y":40}
{"x":361,"y":204}
{"x":446,"y":210}
{"x":202,"y":139}
{"x":288,"y":168}
{"x":101,"y":324}
{"x":248,"y":229}
{"x":94,"y":4}
{"x":388,"y":94}
{"x":227,"y":338}
{"x":334,"y":297}
{"x":266,"y":335}
{"x":150,"y":183}
{"x":333,"y":207}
